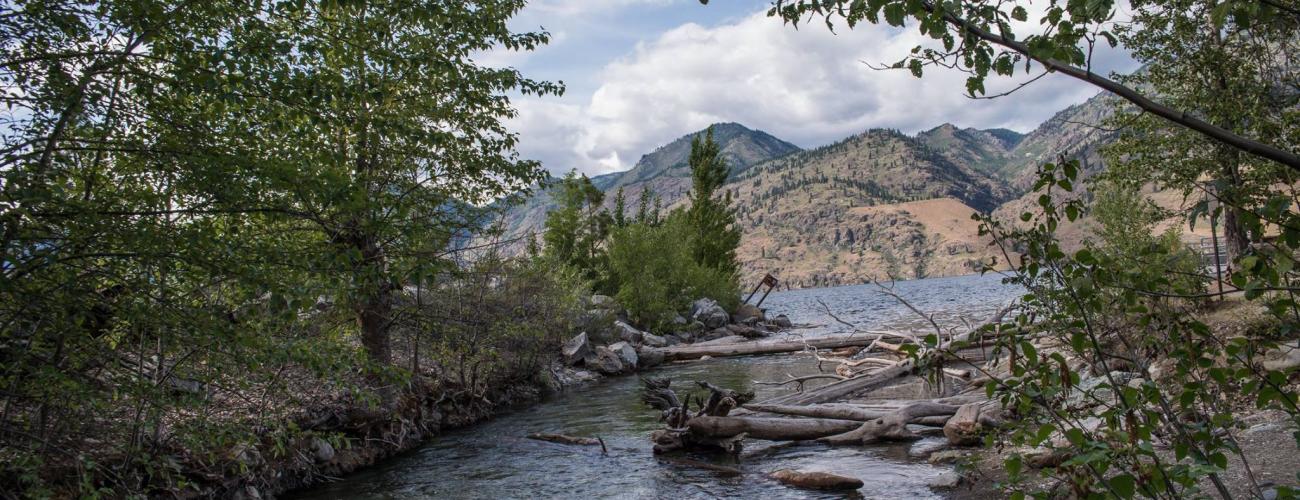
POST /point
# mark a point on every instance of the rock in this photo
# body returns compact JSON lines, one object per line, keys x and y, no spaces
{"x":816,"y":480}
{"x":576,"y":349}
{"x":628,"y":333}
{"x":679,"y":320}
{"x":626,"y":353}
{"x":708,"y":311}
{"x":926,"y":447}
{"x":782,"y":321}
{"x":719,"y":333}
{"x":649,"y":358}
{"x":322,"y":450}
{"x":748,"y":332}
{"x":653,"y":340}
{"x":603,"y":302}
{"x":599,"y":325}
{"x":748,"y":314}
{"x":674,"y":339}
{"x":247,"y":455}
{"x":946,"y":481}
{"x":605,"y":361}
{"x":705,"y":357}
{"x":946,"y":457}
{"x":1285,"y":357}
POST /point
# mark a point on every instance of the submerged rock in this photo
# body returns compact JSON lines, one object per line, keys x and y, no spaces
{"x":576,"y":349}
{"x":816,"y":480}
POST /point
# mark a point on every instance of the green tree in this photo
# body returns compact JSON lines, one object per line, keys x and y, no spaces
{"x":620,"y":209}
{"x":576,"y":231}
{"x":710,"y":214}
{"x":977,"y":36}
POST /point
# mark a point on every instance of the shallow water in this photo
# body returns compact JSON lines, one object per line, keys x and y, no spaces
{"x":495,"y":460}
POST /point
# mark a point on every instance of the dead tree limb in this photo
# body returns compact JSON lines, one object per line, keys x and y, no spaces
{"x":891,"y":427}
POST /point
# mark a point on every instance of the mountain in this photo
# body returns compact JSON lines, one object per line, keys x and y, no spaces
{"x":665,"y":171}
{"x":875,"y":205}
{"x":871,"y":206}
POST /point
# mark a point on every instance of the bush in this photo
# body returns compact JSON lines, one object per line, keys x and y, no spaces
{"x":657,"y":274}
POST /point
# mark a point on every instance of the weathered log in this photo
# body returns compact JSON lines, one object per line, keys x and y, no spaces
{"x":816,"y":480}
{"x":891,"y":427}
{"x":722,"y":401}
{"x":967,"y":426}
{"x":837,"y":411}
{"x":563,"y":439}
{"x":696,"y":351}
{"x":837,"y":390}
{"x":771,"y":429}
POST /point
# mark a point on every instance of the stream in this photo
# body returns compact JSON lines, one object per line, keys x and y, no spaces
{"x":495,"y":460}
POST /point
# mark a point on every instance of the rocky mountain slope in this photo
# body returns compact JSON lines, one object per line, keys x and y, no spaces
{"x":875,"y":205}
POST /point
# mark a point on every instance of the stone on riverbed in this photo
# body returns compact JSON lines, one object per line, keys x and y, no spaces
{"x":816,"y":480}
{"x":576,"y":349}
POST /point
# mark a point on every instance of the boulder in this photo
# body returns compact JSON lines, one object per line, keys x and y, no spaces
{"x":603,"y":302}
{"x":628,"y":333}
{"x":576,"y":349}
{"x":653,"y":340}
{"x":816,"y":480}
{"x":946,"y":481}
{"x":679,"y":320}
{"x":599,"y":325}
{"x":748,"y":332}
{"x":649,"y":358}
{"x":708,"y":311}
{"x":322,"y":450}
{"x":946,"y":457}
{"x":626,"y":353}
{"x":1285,"y":357}
{"x":605,"y":361}
{"x":715,"y":335}
{"x":748,"y":314}
{"x":782,"y":321}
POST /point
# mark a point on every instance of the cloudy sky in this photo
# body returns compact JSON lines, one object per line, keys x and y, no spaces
{"x":640,"y":73}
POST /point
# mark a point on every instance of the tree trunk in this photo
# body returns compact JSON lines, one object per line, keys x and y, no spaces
{"x":751,"y":348}
{"x":772,"y":429}
{"x":891,"y":427}
{"x":1234,"y":233}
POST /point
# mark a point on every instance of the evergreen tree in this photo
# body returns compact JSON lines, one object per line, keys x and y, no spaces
{"x":620,"y":209}
{"x":712,"y":217}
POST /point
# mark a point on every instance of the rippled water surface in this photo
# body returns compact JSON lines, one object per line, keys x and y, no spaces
{"x":495,"y":460}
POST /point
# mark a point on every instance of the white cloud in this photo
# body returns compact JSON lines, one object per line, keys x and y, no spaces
{"x":807,"y":86}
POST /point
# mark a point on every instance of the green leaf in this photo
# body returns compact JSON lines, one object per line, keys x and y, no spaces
{"x":1124,"y":485}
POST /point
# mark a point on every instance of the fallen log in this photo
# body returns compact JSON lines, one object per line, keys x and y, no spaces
{"x":891,"y":427}
{"x":967,"y":426}
{"x":837,"y":390}
{"x":563,"y":439}
{"x":816,"y":480}
{"x":696,"y":351}
{"x":771,"y":429}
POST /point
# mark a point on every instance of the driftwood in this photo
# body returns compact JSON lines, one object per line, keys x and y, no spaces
{"x":891,"y":427}
{"x":696,"y":351}
{"x":675,"y":412}
{"x":816,"y":480}
{"x":967,"y":426}
{"x":771,"y":429}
